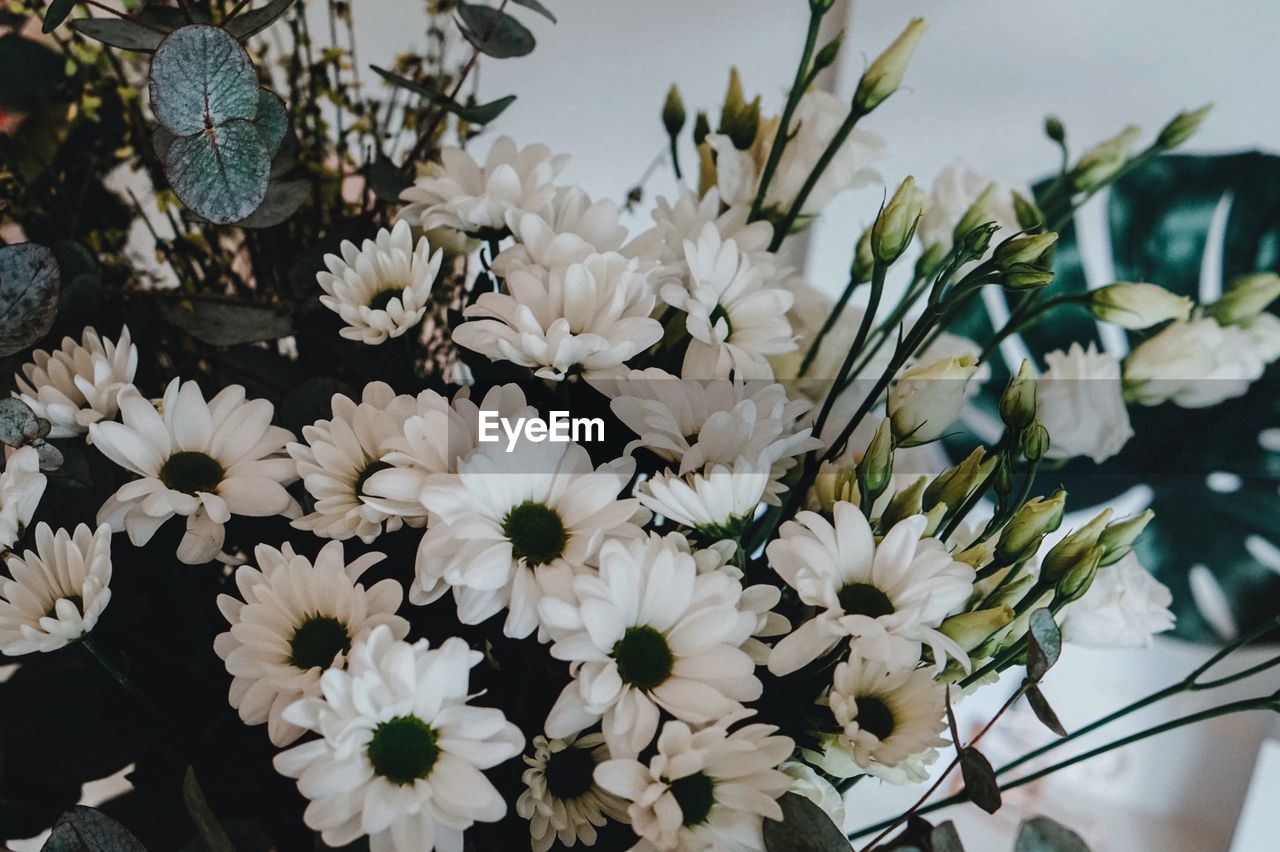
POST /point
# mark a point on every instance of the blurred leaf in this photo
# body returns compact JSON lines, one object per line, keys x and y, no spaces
{"x":206,"y":823}
{"x":119,"y":32}
{"x":1044,"y":644}
{"x":161,"y":142}
{"x":272,"y":121}
{"x":945,"y":838}
{"x":483,"y":113}
{"x":475,"y":114}
{"x":493,"y":32}
{"x":1040,"y":706}
{"x":29,"y":287}
{"x":84,"y":829}
{"x":251,"y":23}
{"x":200,"y":79}
{"x":282,"y":200}
{"x":386,"y":179}
{"x":30,"y":73}
{"x":1042,"y":834}
{"x":980,"y":783}
{"x":16,"y":421}
{"x":50,"y":456}
{"x":169,"y":18}
{"x":805,"y":827}
{"x":57,"y":13}
{"x":221,"y":174}
{"x":537,"y":7}
{"x":228,"y":324}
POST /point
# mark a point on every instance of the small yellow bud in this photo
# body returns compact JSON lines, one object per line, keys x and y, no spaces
{"x":980,"y":212}
{"x":1246,"y":297}
{"x":1018,"y":402}
{"x":1079,"y":577}
{"x":1182,"y":126}
{"x":876,"y":467}
{"x":1076,"y":546}
{"x":970,"y":629}
{"x":673,"y":116}
{"x":863,"y":260}
{"x":1118,"y":538}
{"x":1102,"y":162}
{"x":1029,"y":215}
{"x":1136,"y":306}
{"x":1021,"y":536}
{"x":904,"y":503}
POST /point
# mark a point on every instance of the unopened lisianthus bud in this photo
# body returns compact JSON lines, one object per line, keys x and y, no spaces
{"x":976,"y":242}
{"x":1037,"y":517}
{"x":930,"y":260}
{"x":1182,"y":127}
{"x":1054,"y":130}
{"x":980,"y":212}
{"x":1137,"y":305}
{"x":927,"y":399}
{"x":1079,"y":576}
{"x":1118,"y":538}
{"x":904,"y":503}
{"x":673,"y":116}
{"x":884,"y":76}
{"x":1074,"y":547}
{"x":1101,"y":163}
{"x":1246,"y":297}
{"x":701,"y":128}
{"x":863,"y":260}
{"x":876,"y":467}
{"x":1026,"y":261}
{"x":1034,"y":442}
{"x":954,"y":486}
{"x":1018,"y":402}
{"x":970,"y":629}
{"x":896,"y":224}
{"x":827,"y":55}
{"x":1028,"y":213}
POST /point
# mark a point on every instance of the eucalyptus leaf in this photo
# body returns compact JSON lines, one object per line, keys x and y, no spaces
{"x":201,"y":78}
{"x":16,"y":418}
{"x":83,"y":829}
{"x":282,"y":201}
{"x":57,"y":13}
{"x":945,"y":838}
{"x":1041,"y":834}
{"x":1040,"y":706}
{"x":1044,"y":643}
{"x":29,"y":287}
{"x":494,"y":32}
{"x":251,"y":23}
{"x":49,"y":455}
{"x":805,"y":827}
{"x":119,"y":32}
{"x":223,"y":324}
{"x":272,"y":120}
{"x":222,"y":174}
{"x":161,"y":142}
{"x":980,"y":783}
{"x":475,"y":113}
{"x":537,"y":7}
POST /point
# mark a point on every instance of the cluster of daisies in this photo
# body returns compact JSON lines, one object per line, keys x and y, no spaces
{"x":642,"y":579}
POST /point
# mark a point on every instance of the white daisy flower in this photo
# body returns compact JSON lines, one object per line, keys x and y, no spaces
{"x":736,"y":322}
{"x":676,"y":223}
{"x":887,"y":716}
{"x":710,"y":789}
{"x":647,"y":632}
{"x":887,"y":598}
{"x":77,"y":385}
{"x":591,"y":317}
{"x":57,"y":592}
{"x":507,"y":523}
{"x":21,"y":487}
{"x":341,"y":454}
{"x":400,"y":749}
{"x":297,"y":620}
{"x":569,"y":231}
{"x":203,"y":461}
{"x":460,"y":193}
{"x":718,"y":503}
{"x":561,"y":799}
{"x":381,"y":288}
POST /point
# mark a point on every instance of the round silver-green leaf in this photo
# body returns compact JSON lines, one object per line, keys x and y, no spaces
{"x":221,"y":174}
{"x":272,"y":121}
{"x":200,"y":78}
{"x":29,"y":289}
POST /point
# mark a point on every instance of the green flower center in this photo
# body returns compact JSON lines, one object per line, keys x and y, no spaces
{"x":643,"y":657}
{"x":317,"y":641}
{"x":719,"y":313}
{"x":536,"y":533}
{"x":382,"y":298}
{"x":864,"y":599}
{"x":369,"y":471}
{"x":875,"y":717}
{"x":403,"y":749}
{"x":191,"y":472}
{"x":570,"y":773}
{"x":695,"y":794}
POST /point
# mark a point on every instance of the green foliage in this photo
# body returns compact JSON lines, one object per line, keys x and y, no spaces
{"x":980,"y":783}
{"x":1042,"y":834}
{"x":248,"y":24}
{"x":493,"y":32}
{"x":805,"y":827}
{"x":200,"y":79}
{"x":57,"y":13}
{"x":1044,"y":712}
{"x":29,"y":288}
{"x":473,"y":114}
{"x":537,"y":7}
{"x":120,"y":32}
{"x":1044,"y":644}
{"x":222,"y":174}
{"x":228,"y":324}
{"x":29,"y":73}
{"x":84,"y":829}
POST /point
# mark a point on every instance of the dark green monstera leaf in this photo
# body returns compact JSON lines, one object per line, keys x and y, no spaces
{"x":1189,"y":224}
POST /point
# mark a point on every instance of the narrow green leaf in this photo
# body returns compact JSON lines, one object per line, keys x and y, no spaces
{"x":201,"y":78}
{"x":1040,"y":706}
{"x":805,"y":827}
{"x":282,"y":201}
{"x":118,"y":32}
{"x":494,"y":33}
{"x":272,"y":121}
{"x":537,"y":7}
{"x":29,"y":287}
{"x":16,"y":419}
{"x":1041,"y":834}
{"x":1044,"y":644}
{"x":251,"y":23}
{"x":386,"y":179}
{"x":482,"y":113}
{"x":56,"y":14}
{"x":223,"y":174}
{"x":980,"y":783}
{"x":84,"y":829}
{"x":227,"y":324}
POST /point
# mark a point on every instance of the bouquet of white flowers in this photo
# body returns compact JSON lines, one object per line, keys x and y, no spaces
{"x":415,"y":483}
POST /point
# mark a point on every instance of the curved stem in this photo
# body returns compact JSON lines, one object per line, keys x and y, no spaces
{"x":118,"y":675}
{"x":783,"y":228}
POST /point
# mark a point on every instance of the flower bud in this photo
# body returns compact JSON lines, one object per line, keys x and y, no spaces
{"x":1101,"y":163}
{"x":1073,"y":548}
{"x":876,"y":467}
{"x":1002,"y":477}
{"x":1181,"y":128}
{"x":1018,"y":403}
{"x":1246,"y":297}
{"x":933,"y":518}
{"x":1034,"y":442}
{"x":1137,"y":306}
{"x":1037,"y":518}
{"x":904,"y":503}
{"x":1029,"y":215}
{"x":970,"y":629}
{"x":930,"y":260}
{"x":1118,"y":538}
{"x":927,"y":399}
{"x":739,"y":120}
{"x":673,"y":112}
{"x":896,"y":224}
{"x":884,"y":76}
{"x":863,"y":260}
{"x":835,"y":485}
{"x":954,"y":486}
{"x":1054,"y":130}
{"x":701,"y":128}
{"x":827,"y":55}
{"x":1079,"y":577}
{"x":977,"y":554}
{"x":980,"y":212}
{"x":1024,"y":249}
{"x":976,"y":242}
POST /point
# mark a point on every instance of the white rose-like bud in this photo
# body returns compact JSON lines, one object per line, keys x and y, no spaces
{"x":1123,"y":608}
{"x":1137,"y":306}
{"x":1081,"y":402}
{"x":1195,"y":364}
{"x":1246,"y":298}
{"x":927,"y":399}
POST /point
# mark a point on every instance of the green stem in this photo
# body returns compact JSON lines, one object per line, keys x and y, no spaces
{"x":827,"y":325}
{"x":878,"y":272}
{"x":781,"y":230}
{"x":118,"y":675}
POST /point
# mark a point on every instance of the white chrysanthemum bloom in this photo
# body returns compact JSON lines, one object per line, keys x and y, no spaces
{"x":1079,"y":399}
{"x":460,"y":193}
{"x":887,"y":716}
{"x":507,"y":522}
{"x":675,"y":223}
{"x":381,"y":288}
{"x":704,"y":422}
{"x":1194,"y":364}
{"x":400,"y":749}
{"x":297,"y":620}
{"x":569,"y":231}
{"x":649,"y":631}
{"x":709,"y":789}
{"x":953,"y":192}
{"x":205,"y":461}
{"x":1123,"y":608}
{"x":756,"y":601}
{"x":21,"y":487}
{"x":341,"y":454}
{"x":888,"y":599}
{"x":718,"y":502}
{"x":77,"y":385}
{"x":591,"y":317}
{"x":562,"y":800}
{"x":736,"y":322}
{"x":806,"y":782}
{"x":56,"y":592}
